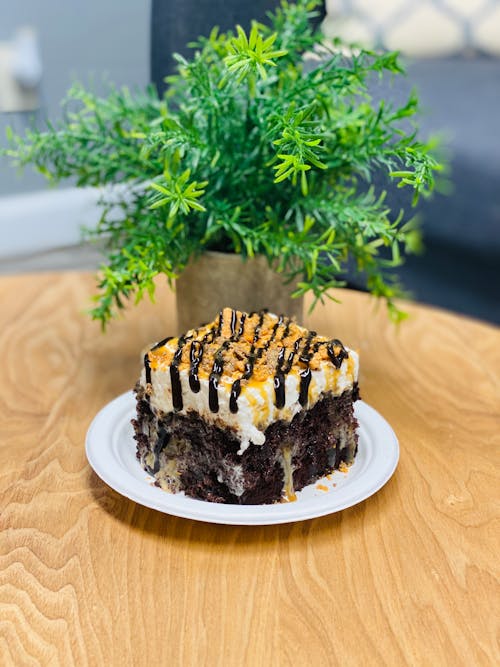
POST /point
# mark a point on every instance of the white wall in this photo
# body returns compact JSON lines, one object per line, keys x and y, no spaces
{"x":86,"y":40}
{"x":91,"y":41}
{"x":41,"y":220}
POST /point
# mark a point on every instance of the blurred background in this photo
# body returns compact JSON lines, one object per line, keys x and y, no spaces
{"x":452,"y":52}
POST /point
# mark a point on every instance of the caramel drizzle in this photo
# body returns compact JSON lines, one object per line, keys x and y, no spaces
{"x":161,"y":343}
{"x":283,"y":365}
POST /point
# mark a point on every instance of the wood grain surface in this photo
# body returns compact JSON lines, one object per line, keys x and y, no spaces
{"x":87,"y":577}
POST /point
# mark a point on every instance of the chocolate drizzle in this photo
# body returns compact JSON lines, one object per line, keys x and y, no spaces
{"x":241,"y":328}
{"x":221,"y":320}
{"x":213,"y":380}
{"x":147,"y":368}
{"x":279,"y":378}
{"x":279,"y":381}
{"x":161,"y":343}
{"x":339,"y":358}
{"x":302,"y":346}
{"x":218,"y":366}
{"x":275,"y":329}
{"x":253,"y":355}
{"x":233,"y":397}
{"x":305,"y":374}
{"x":233,"y":322}
{"x":175,"y":378}
{"x":305,"y":381}
{"x":195,"y":355}
{"x":147,"y":365}
{"x":283,"y":368}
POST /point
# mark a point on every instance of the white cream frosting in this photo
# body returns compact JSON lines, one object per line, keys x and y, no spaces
{"x":256,"y":402}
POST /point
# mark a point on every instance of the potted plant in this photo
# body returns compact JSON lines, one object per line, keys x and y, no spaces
{"x":252,"y":154}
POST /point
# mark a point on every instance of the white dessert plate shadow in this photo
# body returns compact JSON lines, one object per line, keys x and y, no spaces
{"x":110,"y":450}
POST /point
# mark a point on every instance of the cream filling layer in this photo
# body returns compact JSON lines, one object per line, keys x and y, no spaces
{"x":256,"y":408}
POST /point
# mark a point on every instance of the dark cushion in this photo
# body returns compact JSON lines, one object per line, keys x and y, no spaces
{"x":174,"y":24}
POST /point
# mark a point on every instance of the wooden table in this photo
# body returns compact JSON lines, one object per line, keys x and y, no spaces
{"x":87,"y":577}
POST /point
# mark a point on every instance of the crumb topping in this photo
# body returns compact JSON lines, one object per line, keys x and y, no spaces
{"x":237,"y":340}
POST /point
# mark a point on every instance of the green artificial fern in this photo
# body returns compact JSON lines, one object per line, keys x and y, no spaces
{"x":250,"y":151}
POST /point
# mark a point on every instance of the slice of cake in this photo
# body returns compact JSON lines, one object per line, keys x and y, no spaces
{"x":247,"y":409}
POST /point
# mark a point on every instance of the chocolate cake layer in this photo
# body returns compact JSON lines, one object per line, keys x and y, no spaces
{"x":186,"y":453}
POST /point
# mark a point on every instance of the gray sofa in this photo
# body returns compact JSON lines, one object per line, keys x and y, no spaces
{"x":461,"y":266}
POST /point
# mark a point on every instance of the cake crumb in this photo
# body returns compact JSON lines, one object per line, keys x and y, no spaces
{"x":343,"y":467}
{"x":322,"y":487}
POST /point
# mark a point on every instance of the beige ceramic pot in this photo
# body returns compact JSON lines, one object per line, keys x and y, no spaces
{"x":216,"y":280}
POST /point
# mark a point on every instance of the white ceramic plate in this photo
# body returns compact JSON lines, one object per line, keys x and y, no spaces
{"x":111,"y":453}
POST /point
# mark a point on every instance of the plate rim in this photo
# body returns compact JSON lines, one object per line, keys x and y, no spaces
{"x":228,"y":514}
